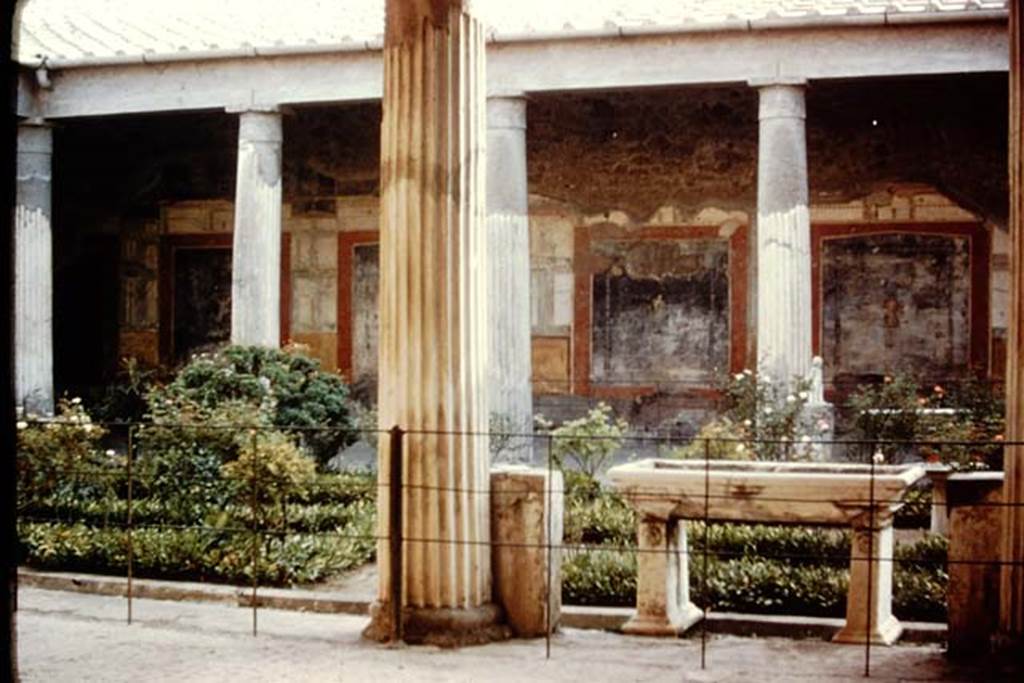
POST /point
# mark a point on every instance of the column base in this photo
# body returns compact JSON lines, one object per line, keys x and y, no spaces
{"x":651,"y":625}
{"x":886,"y":633}
{"x":441,"y":626}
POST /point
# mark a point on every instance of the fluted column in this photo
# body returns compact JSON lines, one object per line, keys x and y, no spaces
{"x":33,"y":270}
{"x":433,"y":319}
{"x":508,"y":239}
{"x":783,"y":234}
{"x":256,"y":254}
{"x":1011,"y":598}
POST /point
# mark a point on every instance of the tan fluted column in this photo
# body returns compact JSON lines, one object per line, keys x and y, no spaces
{"x":508,"y":238}
{"x":256,"y":254}
{"x":783,"y":234}
{"x":1011,"y":599}
{"x":33,"y":271}
{"x":433,"y":319}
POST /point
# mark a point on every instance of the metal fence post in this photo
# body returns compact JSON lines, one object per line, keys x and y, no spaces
{"x":131,"y":517}
{"x":395,"y":531}
{"x":255,"y":535}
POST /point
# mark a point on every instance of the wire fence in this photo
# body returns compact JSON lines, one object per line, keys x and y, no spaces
{"x":242,"y":504}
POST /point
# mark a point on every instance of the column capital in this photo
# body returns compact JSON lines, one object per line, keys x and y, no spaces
{"x":506,"y":111}
{"x":253,"y":107}
{"x":768,"y":81}
{"x":34,"y":122}
{"x":256,"y":125}
{"x":35,"y":137}
{"x":781,"y":99}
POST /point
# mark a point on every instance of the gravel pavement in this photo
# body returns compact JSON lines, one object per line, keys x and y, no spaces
{"x":67,"y":636}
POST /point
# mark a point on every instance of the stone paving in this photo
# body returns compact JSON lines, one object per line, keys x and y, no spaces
{"x":77,"y":637}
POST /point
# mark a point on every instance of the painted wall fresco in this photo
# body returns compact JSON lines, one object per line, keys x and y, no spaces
{"x":202,"y":300}
{"x":896,"y":303}
{"x":660,"y":311}
{"x":365,"y":282}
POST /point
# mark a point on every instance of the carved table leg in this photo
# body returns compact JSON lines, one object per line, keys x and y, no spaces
{"x":869,"y":600}
{"x":663,"y":606}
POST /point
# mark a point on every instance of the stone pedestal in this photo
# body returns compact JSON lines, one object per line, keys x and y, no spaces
{"x":256,"y":254}
{"x":973,"y":591}
{"x":663,"y":606}
{"x":869,"y":599}
{"x":508,"y":239}
{"x":526,"y":515}
{"x":33,"y":271}
{"x":433,"y":322}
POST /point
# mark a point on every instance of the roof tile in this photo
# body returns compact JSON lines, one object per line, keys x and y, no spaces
{"x":83,"y":29}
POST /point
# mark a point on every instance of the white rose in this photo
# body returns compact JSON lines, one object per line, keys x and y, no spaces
{"x":790,"y":399}
{"x":22,"y":424}
{"x":76,"y":401}
{"x":767,"y":410}
{"x":739,"y":376}
{"x":803,"y":395}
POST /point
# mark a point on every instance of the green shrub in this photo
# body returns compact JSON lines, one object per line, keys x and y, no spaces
{"x":599,"y":577}
{"x":793,"y":545}
{"x":124,"y":400}
{"x":344,"y":498}
{"x":299,"y":398}
{"x":61,"y":457}
{"x":217,"y":554}
{"x":751,"y":584}
{"x":919,"y":594}
{"x":190,"y":536}
{"x":895,"y":411}
{"x":606,"y":519}
{"x":269,"y":472}
{"x":916,"y":512}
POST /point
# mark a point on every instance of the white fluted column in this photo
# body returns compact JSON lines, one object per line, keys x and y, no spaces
{"x":783,"y":234}
{"x":508,"y":239}
{"x":433,"y":320}
{"x":256,"y":254}
{"x":33,"y":270}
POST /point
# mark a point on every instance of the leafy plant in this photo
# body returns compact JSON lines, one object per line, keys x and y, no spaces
{"x":600,"y":577}
{"x":719,"y":439}
{"x":305,"y":541}
{"x":270,"y":471}
{"x":61,"y":457}
{"x":887,"y":412}
{"x":760,"y":420}
{"x":961,"y":427}
{"x":588,"y":443}
{"x":124,"y":400}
